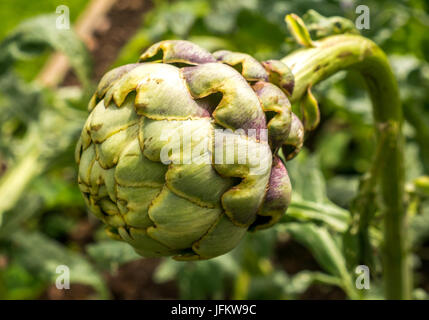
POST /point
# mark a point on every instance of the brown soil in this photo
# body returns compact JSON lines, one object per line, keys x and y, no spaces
{"x":134,"y":281}
{"x":131,"y":281}
{"x":76,"y":292}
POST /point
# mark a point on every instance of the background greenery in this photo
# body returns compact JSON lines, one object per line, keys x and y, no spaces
{"x":43,"y":220}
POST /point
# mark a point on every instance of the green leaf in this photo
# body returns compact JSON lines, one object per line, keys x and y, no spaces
{"x":166,"y":271}
{"x":17,"y":283}
{"x":16,"y":179}
{"x":321,"y":244}
{"x":419,"y":226}
{"x":422,"y":185}
{"x":333,"y":216}
{"x":279,"y":285}
{"x":57,"y":191}
{"x":33,"y":35}
{"x":298,"y":30}
{"x":43,"y":255}
{"x":321,"y":26}
{"x":324,"y":249}
{"x":199,"y":280}
{"x":109,"y":254}
{"x":273,"y":286}
{"x":27,"y":207}
{"x":310,"y":111}
{"x":342,"y":189}
{"x":301,"y":281}
{"x":307,"y":179}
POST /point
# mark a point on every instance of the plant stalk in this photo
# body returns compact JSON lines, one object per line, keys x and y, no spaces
{"x":16,"y":179}
{"x":336,"y":53}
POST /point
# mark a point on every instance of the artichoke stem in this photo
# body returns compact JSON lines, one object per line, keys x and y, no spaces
{"x":336,"y":53}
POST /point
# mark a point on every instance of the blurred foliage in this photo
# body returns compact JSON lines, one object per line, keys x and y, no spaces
{"x":14,"y":12}
{"x":43,"y":220}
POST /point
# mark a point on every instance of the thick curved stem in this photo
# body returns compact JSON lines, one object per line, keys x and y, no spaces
{"x":337,"y":53}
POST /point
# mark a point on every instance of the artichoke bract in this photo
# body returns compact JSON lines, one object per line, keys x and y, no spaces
{"x":178,"y":156}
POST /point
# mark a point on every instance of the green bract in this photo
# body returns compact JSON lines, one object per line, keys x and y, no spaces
{"x":196,"y":205}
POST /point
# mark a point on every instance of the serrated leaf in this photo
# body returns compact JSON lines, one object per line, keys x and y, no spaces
{"x":324,"y":249}
{"x":321,"y":244}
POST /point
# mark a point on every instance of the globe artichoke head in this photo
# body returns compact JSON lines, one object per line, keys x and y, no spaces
{"x":178,"y":156}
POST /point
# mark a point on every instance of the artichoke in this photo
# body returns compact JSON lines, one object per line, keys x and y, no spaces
{"x":194,"y":202}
